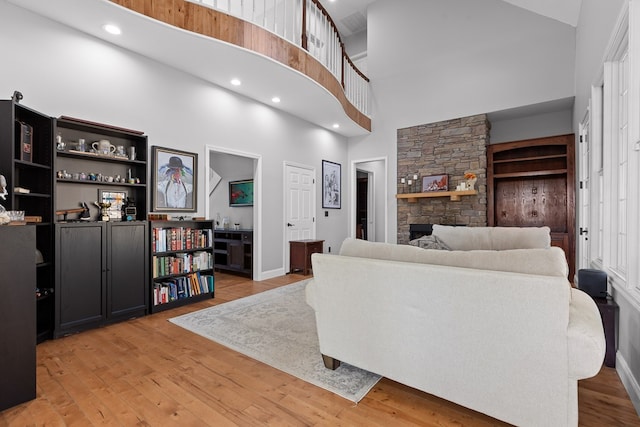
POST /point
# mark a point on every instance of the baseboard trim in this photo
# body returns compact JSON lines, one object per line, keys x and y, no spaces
{"x":271,"y":274}
{"x":629,"y":382}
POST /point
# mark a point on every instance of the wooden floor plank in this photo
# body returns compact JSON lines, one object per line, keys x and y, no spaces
{"x":150,"y":372}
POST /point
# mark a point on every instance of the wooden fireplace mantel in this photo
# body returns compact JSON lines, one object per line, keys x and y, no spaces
{"x":453,"y":195}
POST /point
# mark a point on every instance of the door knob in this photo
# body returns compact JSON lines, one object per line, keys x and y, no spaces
{"x":289,"y":224}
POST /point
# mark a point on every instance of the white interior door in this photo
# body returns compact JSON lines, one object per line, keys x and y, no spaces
{"x":299,"y":205}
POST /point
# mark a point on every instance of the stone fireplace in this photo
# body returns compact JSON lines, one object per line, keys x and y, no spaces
{"x":452,"y":147}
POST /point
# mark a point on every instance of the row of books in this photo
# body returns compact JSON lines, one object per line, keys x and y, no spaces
{"x":181,"y":263}
{"x":182,"y":287}
{"x":180,"y":238}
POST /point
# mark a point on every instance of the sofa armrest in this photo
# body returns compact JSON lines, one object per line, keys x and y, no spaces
{"x":587,"y":344}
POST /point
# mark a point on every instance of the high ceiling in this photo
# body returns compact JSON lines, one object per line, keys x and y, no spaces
{"x":262,"y":77}
{"x":350,"y":16}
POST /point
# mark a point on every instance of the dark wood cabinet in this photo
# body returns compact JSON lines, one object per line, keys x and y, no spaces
{"x":181,"y":263}
{"x":101,"y":274}
{"x":28,"y":172}
{"x":531,"y":183}
{"x":300,"y":252}
{"x":17,"y":315}
{"x":609,"y":312}
{"x":233,"y":250}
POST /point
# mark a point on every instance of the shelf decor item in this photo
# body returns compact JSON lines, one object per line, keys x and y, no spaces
{"x":174,"y":180}
{"x":435,"y":183}
{"x":470,"y":179}
{"x":331,"y":186}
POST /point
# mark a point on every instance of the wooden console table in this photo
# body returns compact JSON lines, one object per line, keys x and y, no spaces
{"x":300,"y":254}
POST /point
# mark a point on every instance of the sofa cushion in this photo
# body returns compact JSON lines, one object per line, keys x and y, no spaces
{"x":429,"y":242}
{"x":493,"y":238}
{"x":544,"y":262}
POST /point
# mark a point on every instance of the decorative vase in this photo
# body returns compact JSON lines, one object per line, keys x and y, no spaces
{"x":471,"y":183}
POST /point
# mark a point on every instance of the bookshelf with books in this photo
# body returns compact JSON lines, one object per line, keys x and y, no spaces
{"x":181,"y":263}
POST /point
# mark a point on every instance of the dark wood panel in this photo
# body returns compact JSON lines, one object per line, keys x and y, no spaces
{"x":17,"y":315}
{"x":532,"y":203}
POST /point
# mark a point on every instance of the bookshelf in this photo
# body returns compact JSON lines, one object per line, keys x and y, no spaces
{"x":181,"y":263}
{"x":30,"y":187}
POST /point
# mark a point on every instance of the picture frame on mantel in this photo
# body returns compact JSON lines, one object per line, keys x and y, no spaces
{"x":435,"y":183}
{"x":331,"y":185}
{"x":174,"y":180}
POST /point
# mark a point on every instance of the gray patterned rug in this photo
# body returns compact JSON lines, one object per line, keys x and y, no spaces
{"x":278,"y":328}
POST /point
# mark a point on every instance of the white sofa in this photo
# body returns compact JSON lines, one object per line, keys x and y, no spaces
{"x":500,"y":332}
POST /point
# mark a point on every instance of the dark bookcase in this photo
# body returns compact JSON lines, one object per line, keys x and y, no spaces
{"x":31,"y":170}
{"x":181,"y":263}
{"x":233,"y":251}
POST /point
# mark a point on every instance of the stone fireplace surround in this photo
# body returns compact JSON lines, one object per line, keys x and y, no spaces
{"x":451,"y":147}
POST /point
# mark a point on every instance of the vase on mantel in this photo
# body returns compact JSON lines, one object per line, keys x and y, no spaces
{"x":471,"y":183}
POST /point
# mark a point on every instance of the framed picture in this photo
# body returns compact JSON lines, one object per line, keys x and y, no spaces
{"x":174,"y":180}
{"x":331,"y":185}
{"x":241,"y":193}
{"x":117,"y":199}
{"x":435,"y":183}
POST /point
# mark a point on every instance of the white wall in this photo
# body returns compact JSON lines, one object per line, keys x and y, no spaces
{"x":431,"y":60}
{"x":230,"y":168}
{"x":61,"y":71}
{"x":535,"y":126}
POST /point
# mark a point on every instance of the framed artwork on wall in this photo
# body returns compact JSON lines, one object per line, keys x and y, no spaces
{"x":435,"y":183}
{"x":331,"y":185}
{"x":174,"y":180}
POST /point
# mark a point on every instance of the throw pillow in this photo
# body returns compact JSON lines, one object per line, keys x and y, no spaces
{"x":429,"y":242}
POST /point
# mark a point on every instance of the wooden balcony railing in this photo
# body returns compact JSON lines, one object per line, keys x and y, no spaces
{"x":307,"y":24}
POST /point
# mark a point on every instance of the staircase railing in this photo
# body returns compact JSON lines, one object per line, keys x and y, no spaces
{"x":307,"y":24}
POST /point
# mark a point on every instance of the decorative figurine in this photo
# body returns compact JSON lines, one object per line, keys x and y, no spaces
{"x":104,"y":210}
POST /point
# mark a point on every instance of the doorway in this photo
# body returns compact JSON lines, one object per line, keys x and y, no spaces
{"x":213,"y":180}
{"x":368,"y":205}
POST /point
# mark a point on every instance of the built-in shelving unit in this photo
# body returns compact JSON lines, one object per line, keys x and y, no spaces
{"x":531,"y":184}
{"x":453,"y":195}
{"x":181,"y":263}
{"x":26,"y":158}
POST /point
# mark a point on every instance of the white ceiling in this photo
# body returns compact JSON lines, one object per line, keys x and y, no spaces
{"x":262,"y":77}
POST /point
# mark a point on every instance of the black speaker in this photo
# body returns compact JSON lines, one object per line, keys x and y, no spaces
{"x":593,"y":282}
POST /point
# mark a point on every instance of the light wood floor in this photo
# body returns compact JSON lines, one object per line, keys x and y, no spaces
{"x":149,"y":372}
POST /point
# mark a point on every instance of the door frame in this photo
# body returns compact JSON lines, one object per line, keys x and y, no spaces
{"x":285,"y":242}
{"x":257,"y":199}
{"x":373,"y":191}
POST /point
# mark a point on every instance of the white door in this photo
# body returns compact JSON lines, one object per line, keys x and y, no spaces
{"x":300,"y":205}
{"x":584,"y":258}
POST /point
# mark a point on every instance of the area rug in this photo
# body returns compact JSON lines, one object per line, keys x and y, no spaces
{"x":278,"y":328}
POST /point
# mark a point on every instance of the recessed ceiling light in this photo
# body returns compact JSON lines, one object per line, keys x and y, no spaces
{"x":236,"y":82}
{"x":112,"y":29}
{"x":275,"y":99}
{"x":336,"y":125}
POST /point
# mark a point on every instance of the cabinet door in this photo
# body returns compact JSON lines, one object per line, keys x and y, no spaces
{"x":127,"y":279}
{"x":236,"y":254}
{"x":17,"y":316}
{"x":81,"y":268}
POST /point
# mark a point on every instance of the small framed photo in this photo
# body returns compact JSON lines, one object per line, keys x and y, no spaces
{"x":331,"y":186}
{"x":174,"y":180}
{"x":435,"y":183}
{"x":116,"y":199}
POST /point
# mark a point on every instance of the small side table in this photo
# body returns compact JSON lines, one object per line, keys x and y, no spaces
{"x":609,"y":313}
{"x":300,"y":254}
